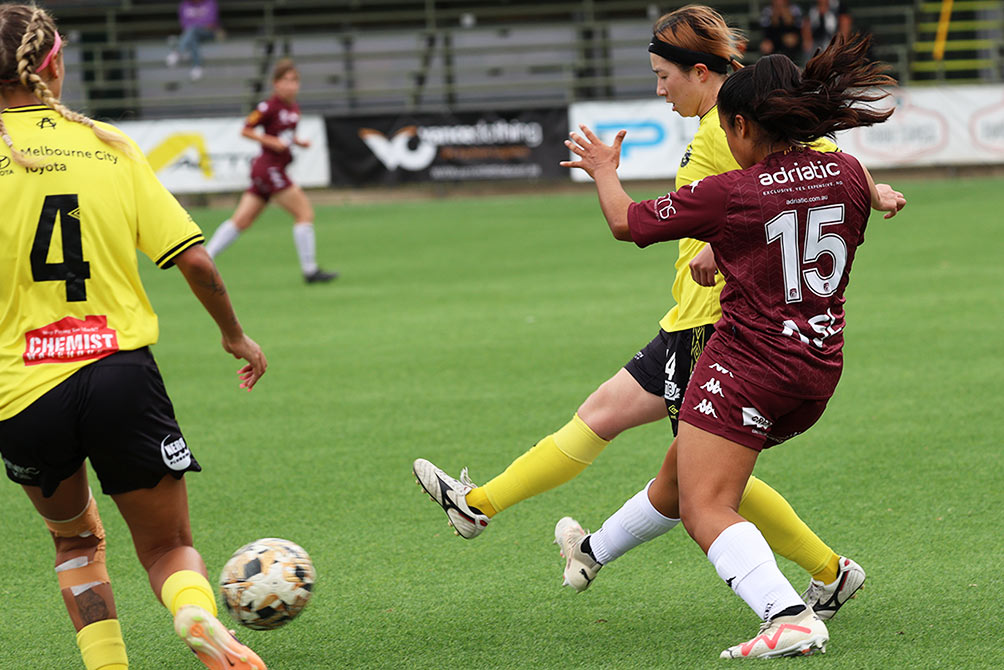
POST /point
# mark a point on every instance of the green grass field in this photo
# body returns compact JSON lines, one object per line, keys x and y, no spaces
{"x":465,"y":329}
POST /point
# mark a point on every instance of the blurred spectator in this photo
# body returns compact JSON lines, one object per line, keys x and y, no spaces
{"x":200,"y":21}
{"x":781,"y":23}
{"x":846,"y":27}
{"x":820,"y":25}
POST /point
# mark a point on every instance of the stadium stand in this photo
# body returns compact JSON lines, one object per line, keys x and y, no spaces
{"x":386,"y":56}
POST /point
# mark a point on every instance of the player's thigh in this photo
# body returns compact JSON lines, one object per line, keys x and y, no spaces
{"x":295,"y":201}
{"x":248,"y":208}
{"x":620,"y":403}
{"x":157,"y":517}
{"x":68,"y":500}
{"x":712,"y":472}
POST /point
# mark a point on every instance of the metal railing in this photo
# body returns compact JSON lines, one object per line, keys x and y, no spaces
{"x":428,"y":64}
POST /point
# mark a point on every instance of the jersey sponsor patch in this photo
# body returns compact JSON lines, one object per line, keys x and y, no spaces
{"x":69,"y":340}
{"x":175,"y":453}
{"x":761,"y":424}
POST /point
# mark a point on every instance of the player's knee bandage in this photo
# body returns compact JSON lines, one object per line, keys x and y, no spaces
{"x":85,"y":566}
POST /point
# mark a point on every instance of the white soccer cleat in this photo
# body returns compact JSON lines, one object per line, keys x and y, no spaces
{"x":826,"y":599}
{"x":212,"y":643}
{"x":467,"y":522}
{"x":800,"y":634}
{"x":580,"y":568}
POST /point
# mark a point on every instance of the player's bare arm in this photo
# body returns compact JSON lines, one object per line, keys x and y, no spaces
{"x":207,"y":285}
{"x":268,"y":141}
{"x":600,"y":162}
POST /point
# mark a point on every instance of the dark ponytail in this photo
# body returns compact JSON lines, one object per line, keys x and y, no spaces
{"x":794,"y":107}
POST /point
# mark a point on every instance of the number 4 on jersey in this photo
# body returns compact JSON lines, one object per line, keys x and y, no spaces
{"x":73,"y":269}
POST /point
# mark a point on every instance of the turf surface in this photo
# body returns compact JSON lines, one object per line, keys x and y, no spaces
{"x":465,"y":329}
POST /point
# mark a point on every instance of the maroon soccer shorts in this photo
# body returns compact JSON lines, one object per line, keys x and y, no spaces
{"x":740,"y":411}
{"x":268,"y":177}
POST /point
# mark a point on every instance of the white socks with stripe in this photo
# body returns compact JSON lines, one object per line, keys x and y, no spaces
{"x":224,"y":236}
{"x":744,"y":560}
{"x":637,"y":521}
{"x":303,"y":238}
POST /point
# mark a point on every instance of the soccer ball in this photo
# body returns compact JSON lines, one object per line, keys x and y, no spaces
{"x":267,"y":583}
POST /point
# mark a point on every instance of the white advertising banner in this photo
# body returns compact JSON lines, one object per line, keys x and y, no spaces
{"x":656,"y":136}
{"x":210,"y":155}
{"x":945,"y":125}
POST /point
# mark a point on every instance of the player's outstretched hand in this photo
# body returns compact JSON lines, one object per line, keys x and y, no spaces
{"x":592,"y":153}
{"x":704,"y":268}
{"x":301,"y":142}
{"x":247,"y":349}
{"x":889,"y":201}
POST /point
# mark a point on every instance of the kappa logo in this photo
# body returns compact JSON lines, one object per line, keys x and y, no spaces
{"x":175,"y":454}
{"x":713,"y":386}
{"x":751,"y":417}
{"x":705,"y":407}
{"x":719,"y":368}
{"x":397,"y":151}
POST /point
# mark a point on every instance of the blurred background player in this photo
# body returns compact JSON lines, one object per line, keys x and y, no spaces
{"x":691,"y":58}
{"x":278,"y":117}
{"x":77,"y":379}
{"x":200,"y":22}
{"x":775,"y":358}
{"x":781,"y":23}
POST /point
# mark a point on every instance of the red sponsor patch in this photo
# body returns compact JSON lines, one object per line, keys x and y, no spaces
{"x":69,"y":340}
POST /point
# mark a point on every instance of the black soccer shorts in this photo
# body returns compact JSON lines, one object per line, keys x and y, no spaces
{"x":664,"y":366}
{"x":116,"y":413}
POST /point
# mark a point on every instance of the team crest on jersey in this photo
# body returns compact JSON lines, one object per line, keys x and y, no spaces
{"x":686,"y":156}
{"x":46,"y":122}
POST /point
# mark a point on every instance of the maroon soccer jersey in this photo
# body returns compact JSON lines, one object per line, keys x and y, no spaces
{"x":277,"y":118}
{"x":784,"y":233}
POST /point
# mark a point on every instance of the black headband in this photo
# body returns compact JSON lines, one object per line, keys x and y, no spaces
{"x":687,"y":57}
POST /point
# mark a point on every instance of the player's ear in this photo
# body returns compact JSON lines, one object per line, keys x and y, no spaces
{"x":740,"y":126}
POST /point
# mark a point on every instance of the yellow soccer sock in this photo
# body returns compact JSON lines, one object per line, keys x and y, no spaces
{"x":101,"y":646}
{"x":784,"y":531}
{"x":187,"y":587}
{"x":829,"y":572}
{"x":553,"y":461}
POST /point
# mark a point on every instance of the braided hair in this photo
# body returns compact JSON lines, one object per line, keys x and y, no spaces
{"x":27,"y":35}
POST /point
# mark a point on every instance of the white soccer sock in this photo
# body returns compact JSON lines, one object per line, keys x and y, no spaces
{"x":744,"y":560}
{"x":224,"y":236}
{"x":637,"y":521}
{"x":303,"y":238}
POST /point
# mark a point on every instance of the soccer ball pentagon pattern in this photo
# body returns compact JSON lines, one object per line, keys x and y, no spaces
{"x":267,"y":583}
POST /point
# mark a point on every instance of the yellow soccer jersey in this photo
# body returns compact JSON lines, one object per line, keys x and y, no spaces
{"x":70,"y":291}
{"x":707,"y":154}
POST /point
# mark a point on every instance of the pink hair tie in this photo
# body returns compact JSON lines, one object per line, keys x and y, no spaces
{"x":52,"y":52}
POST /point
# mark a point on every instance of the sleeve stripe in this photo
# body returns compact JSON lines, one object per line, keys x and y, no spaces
{"x":164,"y":262}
